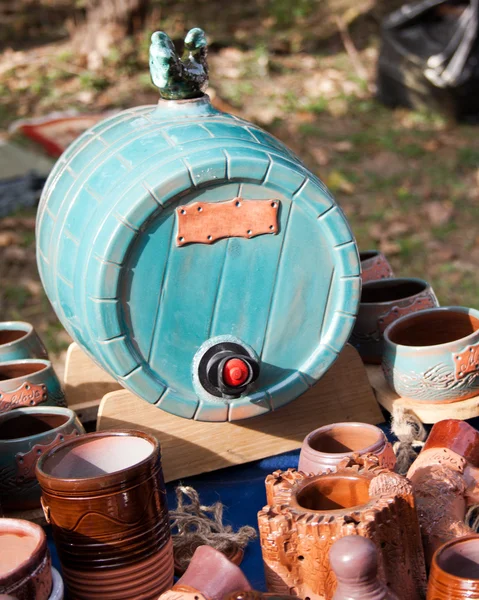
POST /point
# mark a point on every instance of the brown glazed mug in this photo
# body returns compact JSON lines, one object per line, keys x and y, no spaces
{"x":25,"y":567}
{"x":455,"y":570}
{"x":374,"y":266}
{"x":324,"y":448}
{"x":104,"y":495}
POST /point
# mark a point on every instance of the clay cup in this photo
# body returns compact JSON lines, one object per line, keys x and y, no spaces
{"x":455,"y":570}
{"x":19,"y":340}
{"x":374,"y":266}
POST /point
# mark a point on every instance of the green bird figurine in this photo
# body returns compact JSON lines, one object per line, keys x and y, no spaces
{"x":179,"y":78}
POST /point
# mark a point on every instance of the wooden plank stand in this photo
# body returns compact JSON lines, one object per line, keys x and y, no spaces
{"x":192,"y":447}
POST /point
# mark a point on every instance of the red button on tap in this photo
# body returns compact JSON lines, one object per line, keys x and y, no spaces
{"x":235,"y":372}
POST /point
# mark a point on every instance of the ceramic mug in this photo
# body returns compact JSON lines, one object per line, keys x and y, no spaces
{"x":19,"y":340}
{"x":433,"y":355}
{"x":25,"y":566}
{"x":455,"y":570}
{"x":105,"y":498}
{"x":29,"y":382}
{"x":324,"y":448}
{"x":374,"y":266}
{"x":382,"y":302}
{"x":25,"y":433}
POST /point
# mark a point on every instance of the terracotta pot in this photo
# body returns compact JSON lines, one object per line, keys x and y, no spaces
{"x":209,"y":574}
{"x":354,"y":560}
{"x":382,"y":302}
{"x":455,"y":570}
{"x":29,"y":382}
{"x":305,"y":515}
{"x":445,"y":477}
{"x":19,"y":340}
{"x":26,"y":433}
{"x":434,"y":355}
{"x":324,"y":448}
{"x":105,"y":497}
{"x":374,"y":266}
{"x":25,"y":568}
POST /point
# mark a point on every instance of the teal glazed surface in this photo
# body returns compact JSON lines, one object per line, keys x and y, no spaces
{"x":21,"y":444}
{"x":428,"y":373}
{"x":26,"y":345}
{"x":142,"y":307}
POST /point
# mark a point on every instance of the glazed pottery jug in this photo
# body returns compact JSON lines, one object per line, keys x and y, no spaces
{"x":146,"y":203}
{"x":25,"y":567}
{"x":354,"y":560}
{"x":25,"y":434}
{"x":19,"y":340}
{"x":29,"y":382}
{"x":455,"y":570}
{"x":434,"y":355}
{"x":374,"y":266}
{"x":104,"y":495}
{"x":445,"y":477}
{"x":209,"y":574}
{"x":324,"y":448}
{"x":382,"y":302}
{"x":305,"y":515}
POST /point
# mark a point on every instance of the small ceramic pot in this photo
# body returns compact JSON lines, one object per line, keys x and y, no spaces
{"x":434,"y":355}
{"x":29,"y":382}
{"x":324,"y":448}
{"x":382,"y":302}
{"x":454,"y":571}
{"x":19,"y":340}
{"x":374,"y":266}
{"x":25,"y":434}
{"x":25,"y":567}
{"x":104,"y":495}
{"x":210,"y":575}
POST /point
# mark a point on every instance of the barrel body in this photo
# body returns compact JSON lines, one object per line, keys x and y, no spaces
{"x":143,"y":302}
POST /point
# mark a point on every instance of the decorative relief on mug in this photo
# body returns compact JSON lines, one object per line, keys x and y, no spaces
{"x":27,"y":461}
{"x":420,"y":303}
{"x":28,"y":394}
{"x":467,"y":362}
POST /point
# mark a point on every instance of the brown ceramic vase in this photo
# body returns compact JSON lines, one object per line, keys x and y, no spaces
{"x":374,"y":266}
{"x":324,"y":448}
{"x":445,"y":477}
{"x":455,"y":570}
{"x":305,"y":515}
{"x":25,"y":567}
{"x":104,"y":495}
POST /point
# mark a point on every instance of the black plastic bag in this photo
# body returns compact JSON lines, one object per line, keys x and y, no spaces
{"x":430,"y":57}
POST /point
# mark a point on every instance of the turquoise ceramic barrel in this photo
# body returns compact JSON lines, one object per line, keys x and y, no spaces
{"x":147,"y":304}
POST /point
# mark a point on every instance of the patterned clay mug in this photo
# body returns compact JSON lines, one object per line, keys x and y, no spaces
{"x":374,"y":266}
{"x":434,"y":355}
{"x":19,"y":340}
{"x":29,"y":382}
{"x":25,"y":434}
{"x":455,"y":570}
{"x":324,"y":448}
{"x":382,"y":302}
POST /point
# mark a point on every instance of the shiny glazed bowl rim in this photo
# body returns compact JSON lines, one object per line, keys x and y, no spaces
{"x":420,"y":314}
{"x":377,"y":282}
{"x":47,"y":364}
{"x":45,"y":410}
{"x":447,"y":545}
{"x":345,"y":424}
{"x":94,"y":482}
{"x":25,"y":568}
{"x":24,"y":326}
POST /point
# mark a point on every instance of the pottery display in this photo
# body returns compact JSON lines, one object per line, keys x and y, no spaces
{"x":209,"y":575}
{"x":29,"y":382}
{"x":143,"y":204}
{"x":354,"y":561}
{"x":324,"y":448}
{"x":374,"y":266}
{"x":434,"y":355}
{"x":305,"y":515}
{"x":455,"y":571}
{"x":445,"y":477}
{"x":26,"y":433}
{"x":382,"y":302}
{"x":105,"y":498}
{"x":25,"y":567}
{"x":19,"y":340}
